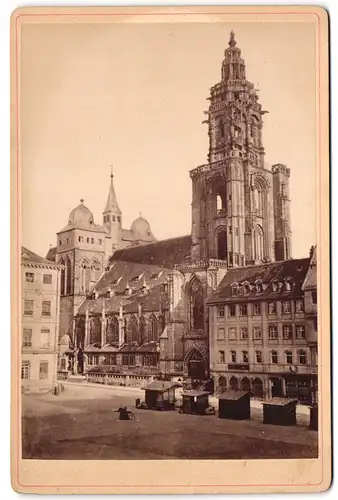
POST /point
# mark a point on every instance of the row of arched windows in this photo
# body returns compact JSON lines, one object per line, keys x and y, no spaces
{"x":142,"y":330}
{"x":138,"y":330}
{"x":256,"y":386}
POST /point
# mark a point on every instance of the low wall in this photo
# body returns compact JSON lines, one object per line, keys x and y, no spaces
{"x":119,"y":379}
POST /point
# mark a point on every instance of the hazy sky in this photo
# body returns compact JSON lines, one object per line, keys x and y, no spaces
{"x":134,"y":95}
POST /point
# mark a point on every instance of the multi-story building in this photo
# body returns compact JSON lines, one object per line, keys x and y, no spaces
{"x":40,"y":284}
{"x":260,"y":338}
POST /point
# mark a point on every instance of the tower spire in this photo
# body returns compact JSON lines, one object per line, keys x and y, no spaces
{"x":112,"y":216}
{"x":111,"y":204}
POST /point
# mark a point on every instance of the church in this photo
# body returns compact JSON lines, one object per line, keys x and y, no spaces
{"x":141,"y":306}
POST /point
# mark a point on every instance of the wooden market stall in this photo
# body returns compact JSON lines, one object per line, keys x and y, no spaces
{"x":234,"y":405}
{"x":195,"y":402}
{"x":280,"y":411}
{"x":160,"y":395}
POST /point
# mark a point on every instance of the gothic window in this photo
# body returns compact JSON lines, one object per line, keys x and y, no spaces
{"x":95,"y":326}
{"x":221,"y":199}
{"x":257,"y":199}
{"x":255,"y":131}
{"x":68,"y":276}
{"x":133,"y":329}
{"x":95,"y":271}
{"x":221,"y":128}
{"x":153,"y":328}
{"x":196,"y":303}
{"x":258,"y":242}
{"x":112,"y":334}
{"x":222,"y":245}
{"x":85,"y":275}
{"x":219,"y":203}
{"x":62,"y":286}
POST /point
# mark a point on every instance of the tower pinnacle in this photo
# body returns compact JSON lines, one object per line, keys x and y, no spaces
{"x":232,"y":41}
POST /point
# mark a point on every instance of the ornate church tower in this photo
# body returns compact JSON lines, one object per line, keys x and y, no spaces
{"x":112,"y":216}
{"x":232,"y":207}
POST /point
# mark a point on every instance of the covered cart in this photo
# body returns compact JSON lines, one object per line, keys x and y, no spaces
{"x":234,"y":405}
{"x":280,"y":411}
{"x":160,"y":395}
{"x":196,"y":403}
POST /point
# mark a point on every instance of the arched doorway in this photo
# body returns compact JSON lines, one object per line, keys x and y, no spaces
{"x":233,"y":382}
{"x":257,"y":388}
{"x":245,"y":384}
{"x":222,"y":385}
{"x":222,"y":245}
{"x":196,"y":365}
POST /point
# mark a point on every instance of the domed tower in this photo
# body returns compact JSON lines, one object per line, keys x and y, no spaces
{"x":112,"y":216}
{"x":81,"y":246}
{"x":232,"y":206}
{"x":141,"y":231}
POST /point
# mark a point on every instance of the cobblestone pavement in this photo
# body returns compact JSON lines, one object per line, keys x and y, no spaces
{"x":81,"y":423}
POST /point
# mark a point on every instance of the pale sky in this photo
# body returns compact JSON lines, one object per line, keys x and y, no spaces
{"x":134,"y":95}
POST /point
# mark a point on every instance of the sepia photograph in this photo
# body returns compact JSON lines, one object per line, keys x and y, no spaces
{"x":169,"y":237}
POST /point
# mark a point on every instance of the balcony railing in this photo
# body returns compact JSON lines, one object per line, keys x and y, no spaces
{"x":201,"y":265}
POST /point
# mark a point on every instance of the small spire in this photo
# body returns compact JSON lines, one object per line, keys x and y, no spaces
{"x":111,"y":204}
{"x":111,"y":170}
{"x":232,"y":41}
{"x":82,"y":200}
{"x":140,"y":214}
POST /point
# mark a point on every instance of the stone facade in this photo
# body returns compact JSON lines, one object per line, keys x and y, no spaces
{"x":84,"y":248}
{"x":240,"y":208}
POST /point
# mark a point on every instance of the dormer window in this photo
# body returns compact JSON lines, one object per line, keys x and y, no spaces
{"x":275,"y":286}
{"x":288,"y":285}
{"x":234,"y":289}
{"x":117,"y":281}
{"x":246,"y":287}
{"x":136,"y":278}
{"x":259,"y":286}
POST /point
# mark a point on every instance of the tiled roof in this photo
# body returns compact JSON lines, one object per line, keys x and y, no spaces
{"x":194,"y":393}
{"x":165,"y":253}
{"x":134,"y":275}
{"x":130,"y":347}
{"x":159,"y":386}
{"x":295,"y":269}
{"x":29,"y":257}
{"x":310,"y":281}
{"x":127,"y":235}
{"x":233,"y":395}
{"x":96,"y":228}
{"x":279,"y":401}
{"x":149,"y":347}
